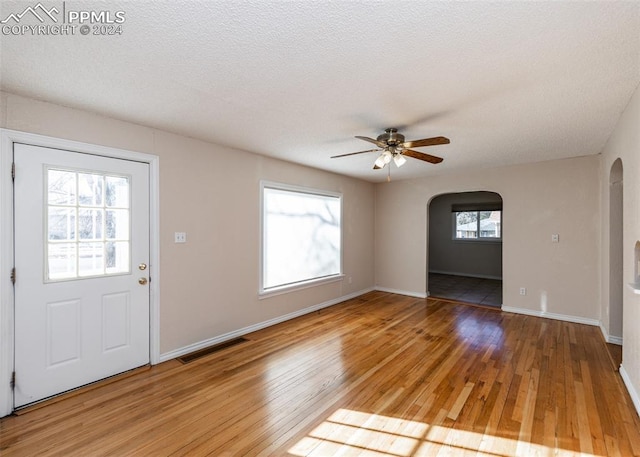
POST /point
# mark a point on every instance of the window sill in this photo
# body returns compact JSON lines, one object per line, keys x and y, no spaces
{"x":299,"y":286}
{"x":476,"y":240}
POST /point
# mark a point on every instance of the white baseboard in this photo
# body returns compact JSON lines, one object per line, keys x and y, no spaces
{"x":632,"y":391}
{"x":615,"y":340}
{"x":466,"y":275}
{"x":402,"y":292}
{"x":609,"y":338}
{"x":255,"y":327}
{"x":559,"y":317}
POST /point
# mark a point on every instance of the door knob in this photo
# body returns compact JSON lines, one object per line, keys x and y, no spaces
{"x":142,"y":266}
{"x":142,"y":281}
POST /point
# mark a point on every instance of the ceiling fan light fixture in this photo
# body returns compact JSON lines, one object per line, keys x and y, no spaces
{"x":380,"y":163}
{"x":392,"y":145}
{"x":399,"y":160}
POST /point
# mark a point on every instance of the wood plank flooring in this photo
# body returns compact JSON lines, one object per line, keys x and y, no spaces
{"x":379,"y":375}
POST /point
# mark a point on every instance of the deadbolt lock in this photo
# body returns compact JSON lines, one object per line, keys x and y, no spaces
{"x":142,"y":281}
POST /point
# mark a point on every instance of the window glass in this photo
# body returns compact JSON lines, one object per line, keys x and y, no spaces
{"x":478,"y":225}
{"x":467,"y":224}
{"x":301,"y":238}
{"x":490,"y":224}
{"x":88,"y":230}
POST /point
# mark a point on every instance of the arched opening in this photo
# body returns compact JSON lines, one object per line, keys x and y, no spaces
{"x":465,"y":247}
{"x":616,"y":286}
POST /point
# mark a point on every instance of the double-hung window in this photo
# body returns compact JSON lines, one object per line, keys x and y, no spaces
{"x":301,"y":237}
{"x":479,"y":222}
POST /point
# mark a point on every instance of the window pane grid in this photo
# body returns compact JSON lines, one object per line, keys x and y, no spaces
{"x":88,"y":224}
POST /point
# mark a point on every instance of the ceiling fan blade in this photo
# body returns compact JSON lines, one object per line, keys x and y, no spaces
{"x":422,"y":156}
{"x":426,"y":142}
{"x":380,"y":144}
{"x":353,"y":153}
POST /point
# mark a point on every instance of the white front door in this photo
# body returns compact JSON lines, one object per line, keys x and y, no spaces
{"x":81,"y":255}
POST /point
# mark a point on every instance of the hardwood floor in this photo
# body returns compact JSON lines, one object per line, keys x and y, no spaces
{"x":379,"y":375}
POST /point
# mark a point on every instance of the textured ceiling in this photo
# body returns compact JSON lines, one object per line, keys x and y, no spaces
{"x":507,"y":82}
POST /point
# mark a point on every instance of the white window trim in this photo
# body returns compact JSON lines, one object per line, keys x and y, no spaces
{"x":480,"y":239}
{"x":279,"y":290}
{"x":7,"y":140}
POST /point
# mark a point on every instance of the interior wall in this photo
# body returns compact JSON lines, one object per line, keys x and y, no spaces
{"x":624,"y":144}
{"x":541,"y":199}
{"x":482,"y":259}
{"x":209,"y":285}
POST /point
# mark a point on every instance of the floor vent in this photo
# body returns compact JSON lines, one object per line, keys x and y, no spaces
{"x":210,"y":350}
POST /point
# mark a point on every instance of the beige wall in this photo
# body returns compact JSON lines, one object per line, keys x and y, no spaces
{"x":624,"y":144}
{"x":540,"y":199}
{"x":209,"y":285}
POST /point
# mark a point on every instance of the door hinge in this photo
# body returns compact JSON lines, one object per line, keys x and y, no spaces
{"x":13,"y":380}
{"x":13,"y":276}
{"x":13,"y":171}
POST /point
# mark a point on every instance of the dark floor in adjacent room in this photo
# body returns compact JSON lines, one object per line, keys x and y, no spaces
{"x":479,"y":291}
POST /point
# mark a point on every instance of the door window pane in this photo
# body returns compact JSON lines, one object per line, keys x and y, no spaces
{"x":61,"y":187}
{"x":90,"y":259}
{"x":62,"y":224}
{"x":117,"y":191}
{"x":117,"y":257}
{"x":90,"y":189}
{"x":62,"y":260}
{"x":117,"y":224}
{"x":88,"y":224}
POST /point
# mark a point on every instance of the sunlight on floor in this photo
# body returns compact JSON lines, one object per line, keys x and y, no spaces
{"x":347,"y":433}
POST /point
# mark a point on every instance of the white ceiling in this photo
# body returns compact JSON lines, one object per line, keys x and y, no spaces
{"x":507,"y":82}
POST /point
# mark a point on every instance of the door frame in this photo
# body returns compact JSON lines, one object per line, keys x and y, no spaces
{"x":7,"y":298}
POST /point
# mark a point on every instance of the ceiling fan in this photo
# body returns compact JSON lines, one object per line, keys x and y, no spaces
{"x":393,"y":147}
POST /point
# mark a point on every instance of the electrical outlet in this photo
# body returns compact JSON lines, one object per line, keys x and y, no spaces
{"x":555,"y":238}
{"x":180,"y":237}
{"x":523,"y":291}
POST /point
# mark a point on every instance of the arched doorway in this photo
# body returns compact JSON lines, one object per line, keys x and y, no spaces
{"x":616,"y":286}
{"x":465,"y":247}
